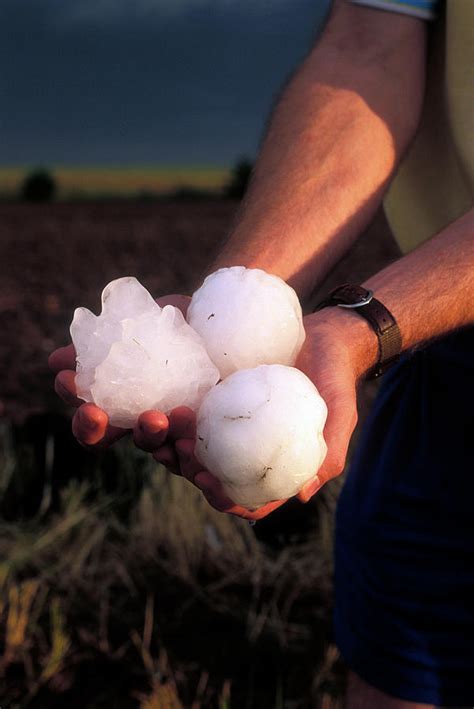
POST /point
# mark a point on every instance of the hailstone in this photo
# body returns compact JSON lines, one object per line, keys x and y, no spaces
{"x":247,"y":317}
{"x":137,"y":356}
{"x":260,"y":432}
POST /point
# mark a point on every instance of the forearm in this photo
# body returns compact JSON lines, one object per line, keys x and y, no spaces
{"x":333,"y":143}
{"x":429,"y":292}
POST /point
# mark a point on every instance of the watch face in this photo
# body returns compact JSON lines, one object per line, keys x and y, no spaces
{"x":348,"y":294}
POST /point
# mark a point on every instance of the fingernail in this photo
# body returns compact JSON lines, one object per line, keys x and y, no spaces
{"x":89,"y":424}
{"x":200,"y":485}
{"x":63,"y":391}
{"x":183,"y":451}
{"x":61,"y":387}
{"x":150,"y":428}
{"x":312,"y":491}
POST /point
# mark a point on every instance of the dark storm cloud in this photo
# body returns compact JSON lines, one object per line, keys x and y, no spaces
{"x":144,"y":81}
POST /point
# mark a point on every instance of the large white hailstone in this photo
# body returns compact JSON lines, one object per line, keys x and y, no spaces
{"x":260,"y":431}
{"x":137,"y":356}
{"x":247,"y":317}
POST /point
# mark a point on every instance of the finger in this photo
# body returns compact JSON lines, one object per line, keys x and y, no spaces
{"x":166,"y":455}
{"x":112,"y":434}
{"x":188,"y":463}
{"x":212,"y":490}
{"x":179,"y":301}
{"x":310,"y":489}
{"x":65,"y":387}
{"x":62,"y":358}
{"x":338,"y":430}
{"x":182,"y":423}
{"x":89,"y":424}
{"x":342,"y":418}
{"x":151,"y":430}
{"x":262,"y":512}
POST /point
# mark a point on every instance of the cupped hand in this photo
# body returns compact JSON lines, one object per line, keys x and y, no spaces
{"x":170,"y":438}
{"x":339,"y":347}
{"x":337,"y":351}
{"x":178,"y":456}
{"x":331,"y":359}
{"x":90,"y":423}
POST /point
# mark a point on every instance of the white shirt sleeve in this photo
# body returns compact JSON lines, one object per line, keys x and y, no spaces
{"x":424,"y":9}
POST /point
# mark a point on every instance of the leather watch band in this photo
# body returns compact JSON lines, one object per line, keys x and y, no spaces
{"x":380,"y":318}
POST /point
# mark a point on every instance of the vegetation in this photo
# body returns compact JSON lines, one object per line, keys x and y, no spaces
{"x":38,"y":186}
{"x":133,"y":592}
{"x":112,"y":183}
{"x":115,"y":182}
{"x":239,"y":179}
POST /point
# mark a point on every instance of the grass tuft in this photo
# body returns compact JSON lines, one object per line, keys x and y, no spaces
{"x":140,"y":594}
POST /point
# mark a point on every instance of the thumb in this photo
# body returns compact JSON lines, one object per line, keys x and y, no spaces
{"x":340,"y":424}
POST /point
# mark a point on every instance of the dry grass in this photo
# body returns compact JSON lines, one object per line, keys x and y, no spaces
{"x":172,"y":603}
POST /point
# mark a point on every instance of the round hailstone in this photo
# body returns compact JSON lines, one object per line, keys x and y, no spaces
{"x":247,"y":317}
{"x":260,"y":432}
{"x":137,"y":356}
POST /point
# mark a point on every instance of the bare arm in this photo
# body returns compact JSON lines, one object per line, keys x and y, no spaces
{"x":335,"y":139}
{"x":429,"y":292}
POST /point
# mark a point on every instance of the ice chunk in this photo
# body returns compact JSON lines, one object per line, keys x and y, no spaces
{"x":247,"y":317}
{"x":260,"y":431}
{"x":137,"y":356}
{"x":126,"y":298}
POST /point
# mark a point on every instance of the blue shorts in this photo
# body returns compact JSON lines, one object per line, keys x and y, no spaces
{"x":404,"y":615}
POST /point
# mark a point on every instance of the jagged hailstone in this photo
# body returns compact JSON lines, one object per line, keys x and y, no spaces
{"x":136,"y":356}
{"x":260,"y":431}
{"x":247,"y":317}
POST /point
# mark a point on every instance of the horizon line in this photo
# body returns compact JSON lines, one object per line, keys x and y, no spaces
{"x":123,"y":166}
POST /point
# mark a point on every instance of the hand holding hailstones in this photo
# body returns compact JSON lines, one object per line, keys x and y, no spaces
{"x":136,"y":356}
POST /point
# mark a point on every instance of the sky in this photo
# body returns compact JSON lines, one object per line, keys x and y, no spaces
{"x":144,"y":82}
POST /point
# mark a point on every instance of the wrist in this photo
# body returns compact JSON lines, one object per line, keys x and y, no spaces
{"x":353,"y":332}
{"x":362,"y":301}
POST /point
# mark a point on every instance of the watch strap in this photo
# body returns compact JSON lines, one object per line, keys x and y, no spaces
{"x":377,"y":315}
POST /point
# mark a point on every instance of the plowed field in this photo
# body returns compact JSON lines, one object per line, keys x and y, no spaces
{"x":54,"y":257}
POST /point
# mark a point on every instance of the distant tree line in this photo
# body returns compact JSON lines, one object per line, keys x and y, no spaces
{"x":40,"y":186}
{"x":239,"y":179}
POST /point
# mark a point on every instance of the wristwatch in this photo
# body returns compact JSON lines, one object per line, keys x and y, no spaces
{"x":383,"y":323}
